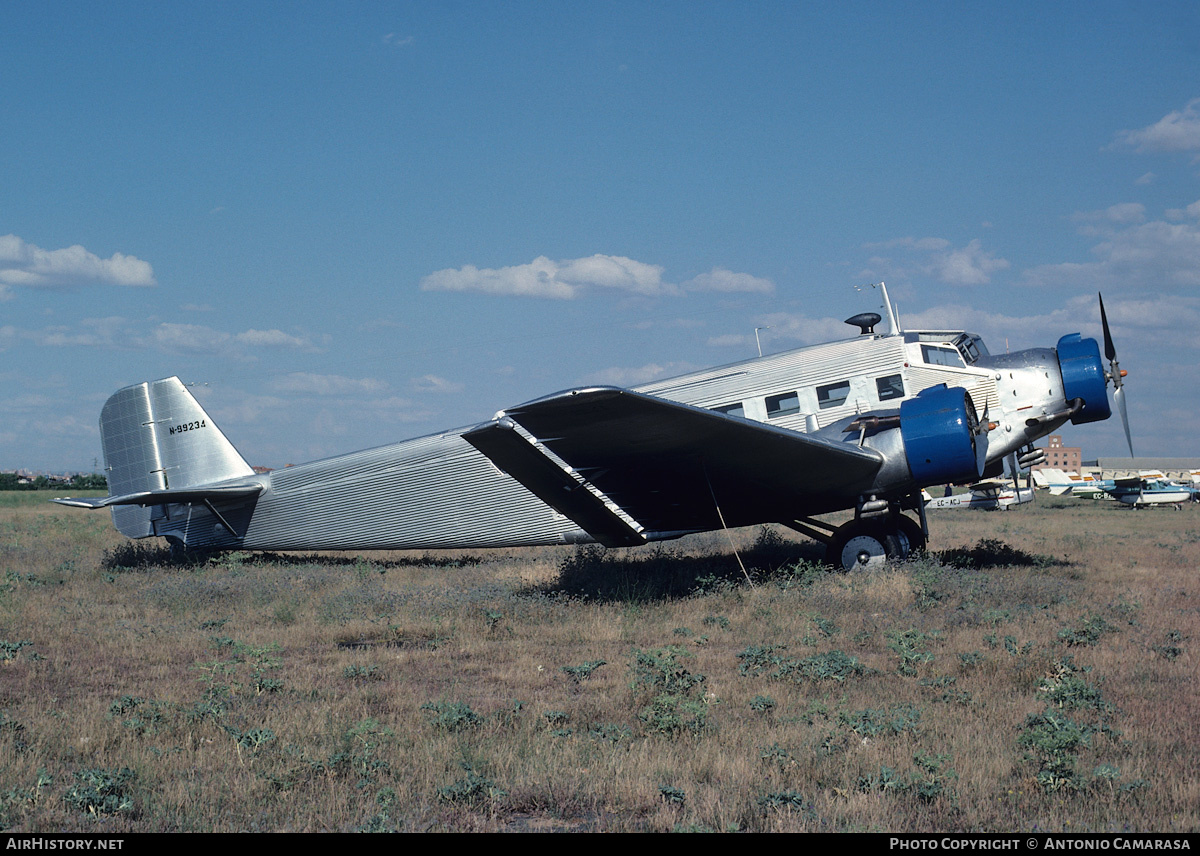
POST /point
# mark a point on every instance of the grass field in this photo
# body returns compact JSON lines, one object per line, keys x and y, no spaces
{"x":1037,"y":673}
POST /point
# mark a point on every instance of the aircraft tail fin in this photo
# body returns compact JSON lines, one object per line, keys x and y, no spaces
{"x":157,"y":439}
{"x":1056,"y":481}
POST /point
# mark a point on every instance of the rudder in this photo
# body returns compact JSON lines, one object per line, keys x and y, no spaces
{"x":156,"y":436}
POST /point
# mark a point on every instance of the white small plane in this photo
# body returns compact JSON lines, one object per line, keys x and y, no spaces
{"x":986,"y":495}
{"x":1148,"y":488}
{"x":1060,"y":483}
{"x":860,"y":424}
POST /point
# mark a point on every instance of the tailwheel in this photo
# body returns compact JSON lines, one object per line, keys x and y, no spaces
{"x":864,"y":543}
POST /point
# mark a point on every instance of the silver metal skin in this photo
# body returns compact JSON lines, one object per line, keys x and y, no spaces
{"x":771,"y":439}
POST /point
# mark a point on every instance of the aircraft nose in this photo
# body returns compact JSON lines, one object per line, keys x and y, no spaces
{"x":1083,"y":377}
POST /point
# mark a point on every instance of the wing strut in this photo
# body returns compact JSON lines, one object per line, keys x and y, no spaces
{"x":725,"y":528}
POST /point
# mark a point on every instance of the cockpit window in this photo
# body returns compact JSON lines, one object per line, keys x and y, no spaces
{"x":943,"y":356}
{"x":971,"y":348}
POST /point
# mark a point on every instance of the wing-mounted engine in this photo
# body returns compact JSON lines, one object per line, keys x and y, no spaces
{"x":935,"y":438}
{"x":943,"y":440}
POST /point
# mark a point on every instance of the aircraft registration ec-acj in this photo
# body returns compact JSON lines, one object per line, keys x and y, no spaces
{"x":861,"y":424}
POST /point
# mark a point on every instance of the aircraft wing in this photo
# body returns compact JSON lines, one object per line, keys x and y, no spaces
{"x":624,"y":465}
{"x":991,"y":484}
{"x":1128,"y":482}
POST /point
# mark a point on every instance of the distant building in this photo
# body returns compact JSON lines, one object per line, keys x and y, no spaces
{"x":1060,"y":457}
{"x":1172,"y":468}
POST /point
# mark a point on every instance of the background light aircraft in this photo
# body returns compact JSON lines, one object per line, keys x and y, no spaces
{"x":1059,"y":483}
{"x":859,"y":424}
{"x":987,"y":495}
{"x":1146,"y":489}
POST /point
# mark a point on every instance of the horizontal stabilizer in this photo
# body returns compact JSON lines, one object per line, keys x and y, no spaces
{"x":163,"y":497}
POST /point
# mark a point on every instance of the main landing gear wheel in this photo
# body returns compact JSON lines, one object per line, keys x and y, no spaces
{"x":911,"y":530}
{"x":863,"y":544}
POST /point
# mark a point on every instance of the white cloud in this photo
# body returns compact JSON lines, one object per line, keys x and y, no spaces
{"x":1146,"y":255}
{"x":433,"y":383}
{"x":328,"y":384}
{"x":969,"y":265}
{"x":571,"y":279}
{"x":619,"y":376}
{"x":1192,"y":210}
{"x":1122,"y":212}
{"x":559,"y":280}
{"x":720,"y":279}
{"x":936,"y":257}
{"x":787,"y":328}
{"x":130,"y":334}
{"x":1178,"y":131}
{"x":616,"y":272}
{"x":1133,"y":320}
{"x":270,"y":339}
{"x":23,"y":264}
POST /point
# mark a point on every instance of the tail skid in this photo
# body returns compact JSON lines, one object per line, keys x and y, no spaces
{"x":160,"y":447}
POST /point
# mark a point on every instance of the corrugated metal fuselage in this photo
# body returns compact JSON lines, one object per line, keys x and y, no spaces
{"x":439,"y":491}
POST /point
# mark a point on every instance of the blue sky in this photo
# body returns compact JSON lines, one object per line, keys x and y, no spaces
{"x":352,"y":223}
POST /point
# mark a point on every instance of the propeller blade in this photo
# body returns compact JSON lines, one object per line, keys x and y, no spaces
{"x":1110,"y":351}
{"x":1114,"y":373}
{"x":1119,"y":395}
{"x":981,"y":442}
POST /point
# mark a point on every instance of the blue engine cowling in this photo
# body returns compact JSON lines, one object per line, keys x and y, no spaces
{"x":1083,"y":377}
{"x":938,"y":428}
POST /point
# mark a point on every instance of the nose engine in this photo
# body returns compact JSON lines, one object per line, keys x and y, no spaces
{"x":1083,"y":377}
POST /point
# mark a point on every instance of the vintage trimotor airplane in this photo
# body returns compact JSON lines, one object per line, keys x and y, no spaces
{"x":859,"y":424}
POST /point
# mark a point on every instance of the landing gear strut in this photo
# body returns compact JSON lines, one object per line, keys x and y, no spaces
{"x":866,"y":541}
{"x":871,"y":542}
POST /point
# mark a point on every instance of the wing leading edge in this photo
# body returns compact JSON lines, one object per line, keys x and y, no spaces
{"x":629,"y":467}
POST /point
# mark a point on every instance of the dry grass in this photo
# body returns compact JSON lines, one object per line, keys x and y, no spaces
{"x":402,"y":692}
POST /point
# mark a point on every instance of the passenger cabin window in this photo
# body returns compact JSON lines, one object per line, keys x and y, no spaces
{"x":941,"y":356}
{"x":731,"y":409}
{"x":782,"y":405}
{"x":833,"y":395}
{"x":890,"y":387}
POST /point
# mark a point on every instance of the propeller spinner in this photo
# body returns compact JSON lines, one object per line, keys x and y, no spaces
{"x":1115,"y":374}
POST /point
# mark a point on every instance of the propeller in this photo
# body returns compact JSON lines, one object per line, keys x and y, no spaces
{"x":1115,"y":375}
{"x":981,"y":440}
